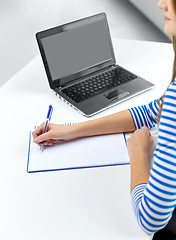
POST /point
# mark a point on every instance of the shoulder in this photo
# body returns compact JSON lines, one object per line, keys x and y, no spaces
{"x":170,"y":94}
{"x":172,"y":86}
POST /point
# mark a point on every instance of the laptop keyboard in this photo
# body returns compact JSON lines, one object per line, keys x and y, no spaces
{"x":98,"y":84}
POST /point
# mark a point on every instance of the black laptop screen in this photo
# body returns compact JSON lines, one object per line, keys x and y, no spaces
{"x":73,"y":51}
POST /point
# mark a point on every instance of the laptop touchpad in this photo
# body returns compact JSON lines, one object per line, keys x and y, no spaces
{"x":116,"y":94}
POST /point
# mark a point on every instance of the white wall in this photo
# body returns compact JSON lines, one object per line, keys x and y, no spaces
{"x":150,"y":9}
{"x":21,"y":19}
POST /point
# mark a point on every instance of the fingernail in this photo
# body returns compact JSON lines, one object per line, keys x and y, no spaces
{"x":35,"y":140}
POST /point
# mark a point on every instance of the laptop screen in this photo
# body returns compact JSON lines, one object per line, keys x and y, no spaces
{"x":75,"y":50}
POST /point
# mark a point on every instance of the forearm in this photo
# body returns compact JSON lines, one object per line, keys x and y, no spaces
{"x":139,"y":169}
{"x":139,"y":147}
{"x":115,"y":123}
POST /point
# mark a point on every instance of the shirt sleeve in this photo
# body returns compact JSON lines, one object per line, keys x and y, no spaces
{"x":155,"y":201}
{"x":145,"y":115}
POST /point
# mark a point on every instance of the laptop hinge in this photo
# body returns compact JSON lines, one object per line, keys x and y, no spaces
{"x":85,"y":77}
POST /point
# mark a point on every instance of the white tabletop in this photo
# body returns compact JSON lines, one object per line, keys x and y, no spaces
{"x":74,"y":204}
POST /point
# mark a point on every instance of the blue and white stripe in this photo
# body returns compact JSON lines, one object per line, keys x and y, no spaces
{"x":145,"y":115}
{"x":155,"y":201}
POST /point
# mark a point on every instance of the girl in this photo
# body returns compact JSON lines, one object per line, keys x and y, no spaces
{"x":153,"y":193}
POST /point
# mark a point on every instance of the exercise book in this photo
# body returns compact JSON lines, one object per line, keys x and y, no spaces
{"x":96,"y":151}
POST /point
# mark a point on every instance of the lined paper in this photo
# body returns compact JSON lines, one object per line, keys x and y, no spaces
{"x":96,"y":151}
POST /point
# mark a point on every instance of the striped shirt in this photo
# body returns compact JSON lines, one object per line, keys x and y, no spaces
{"x":154,"y":202}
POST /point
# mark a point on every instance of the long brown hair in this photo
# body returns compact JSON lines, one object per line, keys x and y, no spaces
{"x":173,"y":74}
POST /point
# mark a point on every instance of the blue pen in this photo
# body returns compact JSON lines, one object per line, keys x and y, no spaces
{"x":48,"y":118}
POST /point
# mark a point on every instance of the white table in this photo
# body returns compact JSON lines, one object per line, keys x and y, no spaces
{"x":76,"y":204}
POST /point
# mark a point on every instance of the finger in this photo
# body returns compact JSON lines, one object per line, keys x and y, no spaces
{"x":38,"y":131}
{"x":42,"y":137}
{"x":46,"y":143}
{"x":147,"y":130}
{"x":50,"y":142}
{"x":149,"y":133}
{"x":136,"y":131}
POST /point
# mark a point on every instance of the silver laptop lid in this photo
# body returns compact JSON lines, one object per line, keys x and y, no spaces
{"x":76,"y":49}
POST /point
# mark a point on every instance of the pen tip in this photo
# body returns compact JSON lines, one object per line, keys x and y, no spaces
{"x":41,"y":148}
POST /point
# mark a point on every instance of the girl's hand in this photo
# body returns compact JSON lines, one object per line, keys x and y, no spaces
{"x":54,"y":132}
{"x":140,"y":143}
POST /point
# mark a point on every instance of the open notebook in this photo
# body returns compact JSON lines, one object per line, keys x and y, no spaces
{"x":97,"y":151}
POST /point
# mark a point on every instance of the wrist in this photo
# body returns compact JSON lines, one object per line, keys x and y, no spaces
{"x":73,"y":132}
{"x":138,"y":156}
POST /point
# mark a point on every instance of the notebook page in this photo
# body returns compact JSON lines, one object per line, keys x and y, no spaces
{"x":85,"y":152}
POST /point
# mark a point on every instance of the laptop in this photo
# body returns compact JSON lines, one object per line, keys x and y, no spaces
{"x":81,"y":67}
